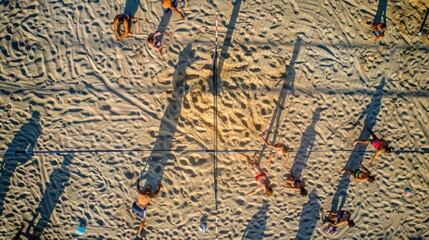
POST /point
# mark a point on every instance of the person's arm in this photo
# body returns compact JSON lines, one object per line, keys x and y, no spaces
{"x":115,"y":28}
{"x":366,"y":169}
{"x":375,"y":156}
{"x":138,"y":185}
{"x":141,"y":228}
{"x":177,"y":11}
{"x":286,"y":159}
{"x":157,"y":190}
{"x":269,"y":159}
{"x":347,"y":171}
{"x":257,"y":189}
{"x":126,"y":31}
{"x":266,"y":143}
{"x":339,"y":224}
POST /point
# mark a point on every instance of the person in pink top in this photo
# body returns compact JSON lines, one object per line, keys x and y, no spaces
{"x":379,"y":144}
{"x":260,"y":176}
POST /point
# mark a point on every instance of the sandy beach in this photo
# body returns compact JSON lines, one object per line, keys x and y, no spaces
{"x":82,"y":116}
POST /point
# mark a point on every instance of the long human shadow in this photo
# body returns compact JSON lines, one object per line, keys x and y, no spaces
{"x":131,"y":7}
{"x":17,"y":153}
{"x":165,"y":20}
{"x":370,"y":115}
{"x":161,"y":151}
{"x":381,"y":12}
{"x":309,"y":216}
{"x":227,"y":43}
{"x":288,"y":85}
{"x":54,"y":190}
{"x":307,"y":142}
{"x":256,"y":227}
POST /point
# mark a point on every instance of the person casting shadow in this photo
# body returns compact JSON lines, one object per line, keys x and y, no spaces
{"x":356,"y":157}
{"x":19,"y":152}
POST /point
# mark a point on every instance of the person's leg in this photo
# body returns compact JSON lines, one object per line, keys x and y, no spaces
{"x":363,"y":141}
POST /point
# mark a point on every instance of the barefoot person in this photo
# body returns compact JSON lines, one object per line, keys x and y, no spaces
{"x":360,"y":175}
{"x":123,"y":19}
{"x":378,"y":30}
{"x":338,"y":218}
{"x":169,"y":5}
{"x":278,"y":149}
{"x":296,"y":184}
{"x":260,"y":176}
{"x":139,"y":206}
{"x":379,"y":144}
{"x":154,"y":41}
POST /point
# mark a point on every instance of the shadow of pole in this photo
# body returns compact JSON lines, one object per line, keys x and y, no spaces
{"x":309,"y":217}
{"x":51,"y":196}
{"x":227,"y":42}
{"x":356,"y":157}
{"x":17,"y":153}
{"x":307,"y":143}
{"x":256,"y":227}
{"x":288,"y":84}
{"x":167,"y":128}
{"x":381,"y":12}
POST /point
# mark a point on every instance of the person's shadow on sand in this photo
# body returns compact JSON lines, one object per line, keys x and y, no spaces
{"x":307,"y":143}
{"x":19,"y":152}
{"x":288,"y":85}
{"x":256,"y":227}
{"x":164,"y":142}
{"x":356,"y":157}
{"x":380,"y":16}
{"x":131,"y":7}
{"x":309,"y":217}
{"x":54,"y":189}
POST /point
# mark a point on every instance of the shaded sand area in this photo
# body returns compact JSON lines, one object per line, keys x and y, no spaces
{"x":306,"y":73}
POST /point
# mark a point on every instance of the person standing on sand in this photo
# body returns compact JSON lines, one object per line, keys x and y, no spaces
{"x":278,"y":149}
{"x":126,"y":20}
{"x":139,"y":206}
{"x":380,"y":144}
{"x":378,"y":30}
{"x":260,"y":176}
{"x":169,"y":5}
{"x":359,"y":175}
{"x":338,"y":218}
{"x":296,"y":184}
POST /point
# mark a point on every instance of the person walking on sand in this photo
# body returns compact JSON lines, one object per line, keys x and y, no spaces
{"x":338,"y":218}
{"x":380,"y":144}
{"x":360,"y":175}
{"x":296,"y":184}
{"x":139,"y":206}
{"x":277,"y":149}
{"x":154,"y":42}
{"x":260,"y":176}
{"x":123,"y":19}
{"x":378,"y":30}
{"x":169,"y":5}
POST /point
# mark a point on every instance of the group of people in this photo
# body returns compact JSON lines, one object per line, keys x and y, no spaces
{"x":333,"y":218}
{"x":121,"y":25}
{"x":122,"y":28}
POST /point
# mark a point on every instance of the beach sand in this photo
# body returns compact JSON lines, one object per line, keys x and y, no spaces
{"x":302,"y":72}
